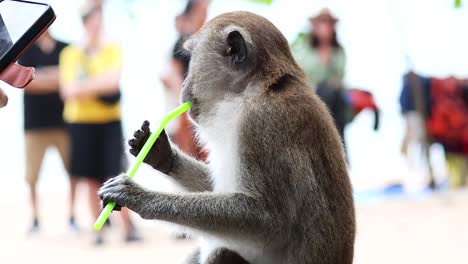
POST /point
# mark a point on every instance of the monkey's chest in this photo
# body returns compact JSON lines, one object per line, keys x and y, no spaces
{"x":224,"y":164}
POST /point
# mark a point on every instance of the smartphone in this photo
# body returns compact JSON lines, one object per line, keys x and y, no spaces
{"x":21,"y":23}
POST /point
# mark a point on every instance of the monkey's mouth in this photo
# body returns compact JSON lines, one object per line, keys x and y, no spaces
{"x":187,"y":96}
{"x":194,"y":111}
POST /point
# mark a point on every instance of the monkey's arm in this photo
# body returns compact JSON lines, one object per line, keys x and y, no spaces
{"x":167,"y":158}
{"x":192,"y":174}
{"x":209,"y":212}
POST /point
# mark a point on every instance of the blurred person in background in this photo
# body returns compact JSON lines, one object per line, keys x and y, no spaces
{"x":436,"y":111}
{"x":90,"y":78}
{"x":188,"y":22}
{"x":43,"y":122}
{"x":415,"y":107}
{"x":322,"y":58}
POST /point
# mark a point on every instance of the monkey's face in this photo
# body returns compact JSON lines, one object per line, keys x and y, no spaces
{"x":220,"y":66}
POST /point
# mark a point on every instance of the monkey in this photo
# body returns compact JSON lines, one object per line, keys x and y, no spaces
{"x":275,"y":188}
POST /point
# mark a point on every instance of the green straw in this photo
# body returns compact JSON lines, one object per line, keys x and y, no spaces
{"x":267,"y":2}
{"x":141,"y":157}
{"x":458,"y":3}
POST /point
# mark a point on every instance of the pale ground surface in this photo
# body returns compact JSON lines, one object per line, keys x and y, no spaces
{"x":424,"y":230}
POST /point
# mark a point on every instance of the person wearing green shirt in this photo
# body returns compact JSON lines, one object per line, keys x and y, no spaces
{"x":321,"y":57}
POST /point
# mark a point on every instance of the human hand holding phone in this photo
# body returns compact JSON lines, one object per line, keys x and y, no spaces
{"x":21,"y":23}
{"x":16,"y":76}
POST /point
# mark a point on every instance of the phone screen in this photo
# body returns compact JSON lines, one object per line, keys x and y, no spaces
{"x":16,"y":20}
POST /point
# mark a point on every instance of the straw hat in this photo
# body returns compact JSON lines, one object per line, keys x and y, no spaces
{"x":323,"y":13}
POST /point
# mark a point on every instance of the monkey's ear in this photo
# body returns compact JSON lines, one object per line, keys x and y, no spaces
{"x":237,"y":49}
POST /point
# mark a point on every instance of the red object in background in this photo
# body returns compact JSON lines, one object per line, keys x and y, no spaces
{"x":360,"y":100}
{"x":448,"y":123}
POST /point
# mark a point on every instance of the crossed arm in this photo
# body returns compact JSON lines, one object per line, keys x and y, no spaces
{"x":46,"y":80}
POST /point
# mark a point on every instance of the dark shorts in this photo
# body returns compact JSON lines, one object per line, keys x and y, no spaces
{"x":97,"y":150}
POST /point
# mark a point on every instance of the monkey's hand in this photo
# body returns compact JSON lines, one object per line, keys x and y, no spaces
{"x":161,"y":156}
{"x":124,"y":192}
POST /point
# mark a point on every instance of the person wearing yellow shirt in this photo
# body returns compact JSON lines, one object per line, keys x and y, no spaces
{"x":90,"y":76}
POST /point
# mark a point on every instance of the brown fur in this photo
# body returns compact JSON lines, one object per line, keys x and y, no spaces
{"x":277,"y":188}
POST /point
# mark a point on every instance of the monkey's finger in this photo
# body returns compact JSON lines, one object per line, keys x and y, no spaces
{"x":111,"y":189}
{"x":139,"y":135}
{"x":103,"y":193}
{"x":134,"y":151}
{"x":114,"y":183}
{"x":117,"y":199}
{"x":110,"y":194}
{"x":122,"y":179}
{"x":106,"y":200}
{"x":134,"y":143}
{"x":117,"y":208}
{"x":105,"y":189}
{"x":145,"y":127}
{"x":109,"y":182}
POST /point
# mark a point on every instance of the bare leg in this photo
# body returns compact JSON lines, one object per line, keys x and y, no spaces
{"x":62,"y":143}
{"x":427,"y":153}
{"x":406,"y":137}
{"x":32,"y":189}
{"x":73,"y":186}
{"x":94,"y":205}
{"x":127,"y":222}
{"x":73,"y":225}
{"x":129,"y":228}
{"x":36,"y":144}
